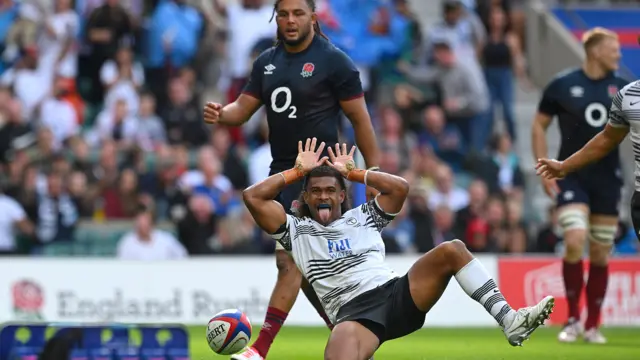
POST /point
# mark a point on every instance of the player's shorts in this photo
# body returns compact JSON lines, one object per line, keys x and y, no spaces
{"x":388,"y":311}
{"x":286,"y":198}
{"x":635,"y":212}
{"x":602,"y":195}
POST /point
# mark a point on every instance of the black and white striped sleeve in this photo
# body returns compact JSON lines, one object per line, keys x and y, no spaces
{"x":285,"y":233}
{"x":617,"y":117}
{"x":373,"y":215}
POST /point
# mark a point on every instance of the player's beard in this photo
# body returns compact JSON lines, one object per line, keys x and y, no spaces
{"x":304,"y":34}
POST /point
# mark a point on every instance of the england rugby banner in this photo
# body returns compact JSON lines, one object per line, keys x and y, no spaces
{"x":524,"y":281}
{"x":189,"y":291}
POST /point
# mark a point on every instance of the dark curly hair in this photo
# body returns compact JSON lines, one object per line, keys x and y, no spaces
{"x":323,"y":171}
{"x":316,"y":26}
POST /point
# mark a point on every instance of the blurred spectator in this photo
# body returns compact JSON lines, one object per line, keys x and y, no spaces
{"x":422,"y":219}
{"x":443,"y":224}
{"x":58,"y":42}
{"x":444,"y":139}
{"x":502,"y":59}
{"x":58,"y":115}
{"x":56,"y":213}
{"x":107,"y":29}
{"x":146,"y":242}
{"x":249,"y":22}
{"x":398,"y":236}
{"x":495,"y":221}
{"x":174,"y":33}
{"x":122,"y":200}
{"x":116,"y":124}
{"x":446,"y":193}
{"x":149,"y":129}
{"x":182,"y":117}
{"x":394,"y":139}
{"x":259,"y":162}
{"x":197,"y":229}
{"x":15,"y":133}
{"x":478,"y":195}
{"x":29,"y":84}
{"x":122,"y":77}
{"x":550,"y":236}
{"x":23,"y":32}
{"x":516,"y":234}
{"x":233,"y":166}
{"x":79,"y":193}
{"x":509,"y":179}
{"x":12,"y":216}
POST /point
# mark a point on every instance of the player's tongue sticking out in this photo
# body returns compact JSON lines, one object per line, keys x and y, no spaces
{"x":324,"y":213}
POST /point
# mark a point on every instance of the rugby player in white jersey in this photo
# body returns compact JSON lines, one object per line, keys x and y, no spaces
{"x":624,"y":118}
{"x":341,"y":253}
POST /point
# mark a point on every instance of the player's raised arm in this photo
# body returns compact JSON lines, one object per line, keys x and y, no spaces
{"x":240,"y":111}
{"x":597,"y":148}
{"x":393,"y":189}
{"x":259,"y":198}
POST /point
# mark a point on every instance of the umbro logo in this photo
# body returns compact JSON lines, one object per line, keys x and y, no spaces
{"x":269,"y":69}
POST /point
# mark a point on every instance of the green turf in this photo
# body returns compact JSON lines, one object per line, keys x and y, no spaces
{"x":299,"y":343}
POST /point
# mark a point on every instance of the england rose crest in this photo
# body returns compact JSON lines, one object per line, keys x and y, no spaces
{"x":27,"y":300}
{"x":307,"y":70}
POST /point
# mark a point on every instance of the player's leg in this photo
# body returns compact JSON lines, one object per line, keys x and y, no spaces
{"x":351,"y":340}
{"x":573,"y":217}
{"x":602,"y":232}
{"x":430,"y":275}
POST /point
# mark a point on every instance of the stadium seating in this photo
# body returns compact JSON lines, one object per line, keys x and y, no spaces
{"x":623,"y":21}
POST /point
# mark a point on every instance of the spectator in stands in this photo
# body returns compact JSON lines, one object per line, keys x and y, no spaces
{"x":44,"y":150}
{"x":465,"y":96}
{"x":550,"y":236}
{"x":399,"y":235}
{"x":446,"y":193}
{"x":393,"y":137}
{"x":259,"y":161}
{"x":29,"y":85}
{"x":502,"y":59}
{"x":150,"y":133}
{"x":516,"y":232}
{"x":116,"y":124}
{"x":12,"y":216}
{"x":80,"y":194}
{"x":122,"y":78}
{"x":506,"y":166}
{"x":443,"y":224}
{"x":182,"y":117}
{"x":146,"y":242}
{"x":174,"y":33}
{"x":495,"y":217}
{"x":233,"y":166}
{"x":422,"y":218}
{"x":58,"y":115}
{"x":478,"y":195}
{"x":108,"y":28}
{"x":56,"y":214}
{"x":199,"y":226}
{"x":58,"y":42}
{"x":23,"y":32}
{"x":444,"y":139}
{"x":249,"y":22}
{"x":122,"y":200}
{"x":15,"y":133}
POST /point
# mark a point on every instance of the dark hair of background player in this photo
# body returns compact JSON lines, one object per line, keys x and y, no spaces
{"x":316,"y":26}
{"x":323,"y":171}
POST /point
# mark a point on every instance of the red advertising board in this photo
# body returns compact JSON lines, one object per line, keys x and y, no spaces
{"x":524,"y":281}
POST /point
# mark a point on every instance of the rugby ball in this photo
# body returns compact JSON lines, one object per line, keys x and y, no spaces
{"x":228,"y":332}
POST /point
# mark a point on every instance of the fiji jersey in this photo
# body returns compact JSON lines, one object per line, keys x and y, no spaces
{"x":581,"y":105}
{"x":625,"y":112}
{"x":301,"y":93}
{"x":343,"y":259}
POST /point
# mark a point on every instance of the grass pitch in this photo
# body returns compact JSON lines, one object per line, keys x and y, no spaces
{"x":302,"y":343}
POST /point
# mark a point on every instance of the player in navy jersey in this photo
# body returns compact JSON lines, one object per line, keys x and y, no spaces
{"x":587,"y":199}
{"x":306,"y":84}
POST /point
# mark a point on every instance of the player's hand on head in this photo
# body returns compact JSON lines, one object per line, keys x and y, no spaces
{"x":342,"y":160}
{"x":309,"y":156}
{"x":212,"y":112}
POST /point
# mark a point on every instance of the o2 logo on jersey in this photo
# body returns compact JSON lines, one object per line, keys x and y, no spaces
{"x":596,"y":114}
{"x":287,"y":102}
{"x":339,"y":248}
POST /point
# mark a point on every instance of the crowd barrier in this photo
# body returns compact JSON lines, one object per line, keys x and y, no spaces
{"x":191,"y":291}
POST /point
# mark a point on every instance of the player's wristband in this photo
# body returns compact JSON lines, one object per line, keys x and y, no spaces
{"x":358,"y":175}
{"x":292,"y":175}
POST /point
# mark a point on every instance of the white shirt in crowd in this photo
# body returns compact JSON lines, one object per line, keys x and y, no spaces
{"x":66,"y":26}
{"x":10,"y":213}
{"x":123,"y":89}
{"x":162,"y":245}
{"x":61,"y":118}
{"x":246,"y":28}
{"x":105,"y":124}
{"x":193,"y":178}
{"x":30,"y":87}
{"x":259,"y":163}
{"x":456,"y":199}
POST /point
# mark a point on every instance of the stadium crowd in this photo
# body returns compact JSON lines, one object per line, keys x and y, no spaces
{"x":101,"y":123}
